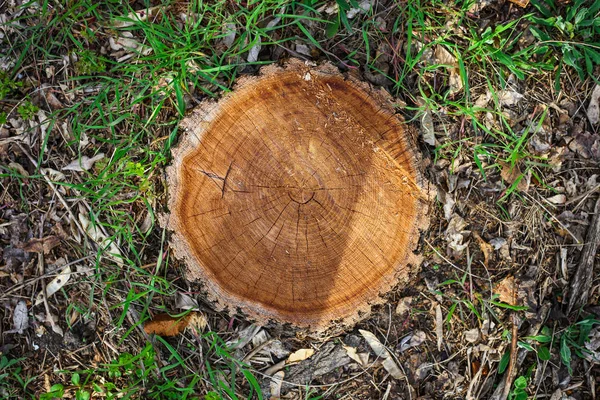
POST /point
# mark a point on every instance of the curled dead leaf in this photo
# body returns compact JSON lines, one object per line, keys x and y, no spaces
{"x":361,"y":358}
{"x":43,"y":245}
{"x":507,"y":290}
{"x":558,"y":199}
{"x":593,"y":110}
{"x":83,"y":164}
{"x":300,"y":355}
{"x":55,"y":285}
{"x":381,"y":351}
{"x":485,"y":248}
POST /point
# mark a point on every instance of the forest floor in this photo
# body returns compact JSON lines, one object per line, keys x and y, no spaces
{"x":91,"y":95}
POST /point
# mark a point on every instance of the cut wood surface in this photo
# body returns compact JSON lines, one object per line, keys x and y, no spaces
{"x":297,"y":197}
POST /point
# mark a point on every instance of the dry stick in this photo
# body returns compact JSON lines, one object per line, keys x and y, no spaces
{"x":582,"y":280}
{"x":510,"y":372}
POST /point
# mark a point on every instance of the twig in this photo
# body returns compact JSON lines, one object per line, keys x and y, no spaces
{"x":582,"y":280}
{"x":510,"y":372}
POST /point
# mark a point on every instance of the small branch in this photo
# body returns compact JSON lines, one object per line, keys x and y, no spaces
{"x":510,"y":372}
{"x":582,"y":280}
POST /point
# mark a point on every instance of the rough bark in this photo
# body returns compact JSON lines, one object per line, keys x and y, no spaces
{"x":581,"y":283}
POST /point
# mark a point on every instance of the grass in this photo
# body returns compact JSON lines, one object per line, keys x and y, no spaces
{"x":128,"y":107}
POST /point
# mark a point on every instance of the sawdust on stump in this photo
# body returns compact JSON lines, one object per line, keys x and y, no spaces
{"x":297,"y":197}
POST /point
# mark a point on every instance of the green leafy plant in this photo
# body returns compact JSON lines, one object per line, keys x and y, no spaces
{"x":88,"y":63}
{"x":7,"y":85}
{"x":519,"y":392}
{"x":575,"y":32}
{"x":27,"y":110}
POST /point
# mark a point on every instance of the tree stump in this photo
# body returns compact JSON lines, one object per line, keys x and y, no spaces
{"x":297,"y":197}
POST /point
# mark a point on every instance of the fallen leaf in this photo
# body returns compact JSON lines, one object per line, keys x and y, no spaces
{"x":43,"y":245}
{"x":593,"y":110}
{"x":55,"y":284}
{"x":83,"y":164}
{"x":97,"y":236}
{"x":557,"y":199}
{"x":472,"y":335}
{"x":275,"y":385}
{"x":229,"y":34}
{"x":361,"y":358}
{"x":520,"y":3}
{"x":134,"y":17}
{"x":511,"y":173}
{"x":485,"y":248}
{"x":381,"y":351}
{"x":254,"y":51}
{"x":427,"y":128}
{"x":19,"y":168}
{"x":300,"y":355}
{"x":413,"y":340}
{"x":507,"y":290}
{"x":54,"y":175}
{"x":185,"y":302}
{"x":403,"y":306}
{"x":363,"y":7}
{"x":444,"y":57}
{"x":509,"y":97}
{"x":20,"y":317}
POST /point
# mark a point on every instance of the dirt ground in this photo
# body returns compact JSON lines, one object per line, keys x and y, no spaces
{"x":502,"y":100}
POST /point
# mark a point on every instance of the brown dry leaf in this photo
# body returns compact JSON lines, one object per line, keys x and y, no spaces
{"x":381,"y":351}
{"x":510,"y":174}
{"x":166,"y":325}
{"x":520,"y":3}
{"x":557,"y":199}
{"x":360,"y":358}
{"x":300,"y":355}
{"x":593,"y":110}
{"x":99,"y":237}
{"x":443,"y":56}
{"x":19,"y":168}
{"x":509,"y":97}
{"x":43,"y":245}
{"x":403,"y":306}
{"x":485,"y":248}
{"x":507,"y":290}
{"x":20,"y":317}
